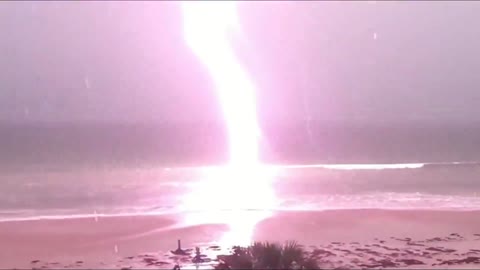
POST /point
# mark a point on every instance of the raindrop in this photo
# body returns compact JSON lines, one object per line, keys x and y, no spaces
{"x":375,"y":35}
{"x":87,"y":82}
{"x":26,"y":111}
{"x":115,"y":248}
{"x":33,"y":8}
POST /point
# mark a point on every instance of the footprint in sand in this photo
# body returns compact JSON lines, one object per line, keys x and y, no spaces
{"x":440,"y":249}
{"x":380,"y":263}
{"x":468,"y":260}
{"x":409,"y":262}
{"x":390,"y":249}
{"x":406,"y":239}
{"x":214,"y":248}
{"x":415,"y":244}
{"x":320,"y":251}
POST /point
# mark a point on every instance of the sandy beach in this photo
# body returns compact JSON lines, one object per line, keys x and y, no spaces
{"x":339,"y":238}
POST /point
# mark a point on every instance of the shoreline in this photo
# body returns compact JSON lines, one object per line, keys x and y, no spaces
{"x":182,"y":213}
{"x":106,"y":242}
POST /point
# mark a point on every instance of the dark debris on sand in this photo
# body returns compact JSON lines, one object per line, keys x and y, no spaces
{"x":401,"y":253}
{"x":393,"y":253}
{"x":468,"y":260}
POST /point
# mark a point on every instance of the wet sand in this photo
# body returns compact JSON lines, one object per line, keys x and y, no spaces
{"x":339,"y":238}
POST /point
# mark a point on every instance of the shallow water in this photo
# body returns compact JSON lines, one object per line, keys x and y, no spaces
{"x":166,"y":190}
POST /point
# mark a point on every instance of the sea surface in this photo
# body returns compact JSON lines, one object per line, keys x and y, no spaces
{"x":63,"y":171}
{"x":452,"y":186}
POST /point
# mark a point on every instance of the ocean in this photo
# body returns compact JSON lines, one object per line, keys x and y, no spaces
{"x":63,"y":172}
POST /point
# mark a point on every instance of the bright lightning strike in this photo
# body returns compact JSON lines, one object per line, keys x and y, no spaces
{"x":208,"y":28}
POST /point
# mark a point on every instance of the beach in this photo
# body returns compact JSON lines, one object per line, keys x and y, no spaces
{"x":181,"y":135}
{"x":377,"y":217}
{"x":339,"y":239}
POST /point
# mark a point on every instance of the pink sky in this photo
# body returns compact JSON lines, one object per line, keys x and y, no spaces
{"x":315,"y":56}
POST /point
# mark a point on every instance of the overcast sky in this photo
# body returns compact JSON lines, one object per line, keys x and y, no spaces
{"x":127,"y":61}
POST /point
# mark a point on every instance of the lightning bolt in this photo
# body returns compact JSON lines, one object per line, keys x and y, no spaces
{"x":208,"y":30}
